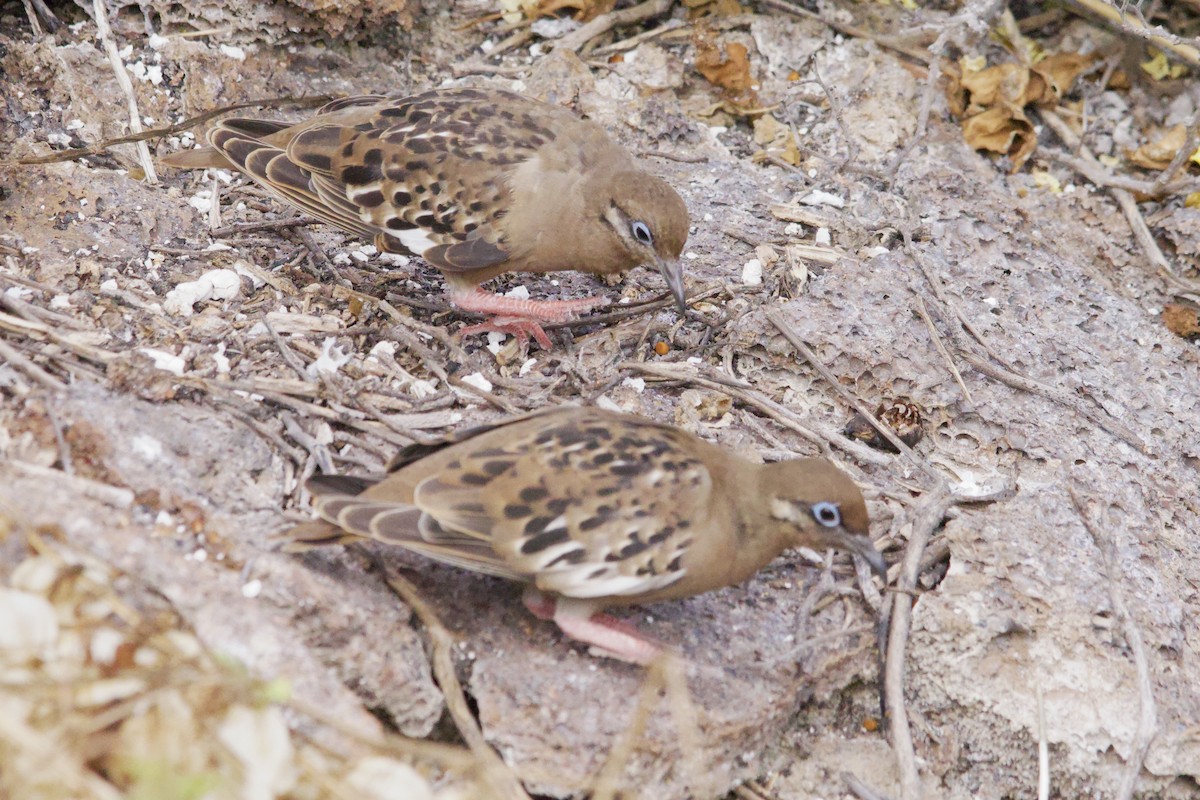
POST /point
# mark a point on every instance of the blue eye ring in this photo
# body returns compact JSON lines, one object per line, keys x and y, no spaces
{"x":641,"y":232}
{"x":827,"y":514}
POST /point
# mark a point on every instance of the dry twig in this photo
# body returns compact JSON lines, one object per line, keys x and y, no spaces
{"x":776,"y":319}
{"x":1147,"y":711}
{"x":495,"y":771}
{"x":602,"y":24}
{"x":100,"y":13}
{"x":929,"y":516}
{"x":751,"y":397}
{"x":941,"y":348}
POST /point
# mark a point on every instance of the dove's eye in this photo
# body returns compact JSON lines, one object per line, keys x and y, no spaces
{"x":827,"y":514}
{"x":641,"y":232}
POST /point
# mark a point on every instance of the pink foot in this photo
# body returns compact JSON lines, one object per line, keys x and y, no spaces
{"x":608,"y":636}
{"x":517,"y":326}
{"x":522,"y":318}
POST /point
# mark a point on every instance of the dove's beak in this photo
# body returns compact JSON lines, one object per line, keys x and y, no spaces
{"x":672,"y":272}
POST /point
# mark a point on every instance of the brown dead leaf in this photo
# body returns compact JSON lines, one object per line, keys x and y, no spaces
{"x":991,"y":102}
{"x":1182,"y":319}
{"x":1002,"y":130}
{"x":1005,"y":83}
{"x":713,"y":8}
{"x":725,"y":65}
{"x":584,"y":9}
{"x":1159,"y":153}
{"x":1060,"y":71}
{"x":776,"y":139}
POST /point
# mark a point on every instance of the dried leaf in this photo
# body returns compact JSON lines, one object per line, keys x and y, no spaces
{"x":1159,"y":68}
{"x":1159,"y":153}
{"x":1001,"y":130}
{"x":991,"y":101}
{"x":1060,"y":71}
{"x":1182,"y":320}
{"x":1005,"y":83}
{"x":776,"y":140}
{"x":713,"y":8}
{"x":726,"y":66}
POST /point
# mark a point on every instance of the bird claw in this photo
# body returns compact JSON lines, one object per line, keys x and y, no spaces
{"x":605,"y":635}
{"x":519,"y":327}
{"x":520,"y":317}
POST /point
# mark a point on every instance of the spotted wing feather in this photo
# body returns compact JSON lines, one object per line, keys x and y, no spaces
{"x":345,"y":517}
{"x":270,"y":167}
{"x":584,"y":510}
{"x":427,"y":173}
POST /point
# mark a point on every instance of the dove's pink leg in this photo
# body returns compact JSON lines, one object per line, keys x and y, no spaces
{"x":607,"y":635}
{"x":520,"y":317}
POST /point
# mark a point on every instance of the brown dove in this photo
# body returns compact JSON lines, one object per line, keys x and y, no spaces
{"x":477,"y":182}
{"x":592,"y":510}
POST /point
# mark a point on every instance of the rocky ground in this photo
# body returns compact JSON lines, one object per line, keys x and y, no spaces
{"x":177,"y":354}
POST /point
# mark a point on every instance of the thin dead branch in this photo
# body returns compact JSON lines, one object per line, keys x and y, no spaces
{"x":750,"y":397}
{"x":497,"y":774}
{"x":776,"y":319}
{"x":576,"y":40}
{"x":158,"y":133}
{"x":100,"y":14}
{"x":1147,"y":711}
{"x":929,"y":516}
{"x":941,"y":348}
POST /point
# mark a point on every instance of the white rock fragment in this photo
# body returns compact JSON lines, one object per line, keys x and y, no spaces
{"x":157,"y":42}
{"x":28,"y":626}
{"x":202,"y":201}
{"x":519,"y":292}
{"x":822,"y":237}
{"x":605,"y":403}
{"x":252,"y":588}
{"x":556,"y":27}
{"x":527,"y":366}
{"x":259,"y":738}
{"x":422,"y":388}
{"x":495,"y":341}
{"x":104,"y":645}
{"x":167,"y":362}
{"x":221,"y":360}
{"x":752,"y":272}
{"x":637,"y":384}
{"x":232,"y":51}
{"x":818,"y":198}
{"x":216,"y":284}
{"x":331,"y":359}
{"x":477,"y":380}
{"x":146,"y":447}
{"x":384,"y":349}
{"x":379,"y":778}
{"x":394,"y":259}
